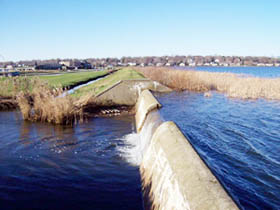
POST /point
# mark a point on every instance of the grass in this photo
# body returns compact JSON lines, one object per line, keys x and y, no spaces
{"x":10,"y":87}
{"x":70,"y":79}
{"x":101,"y":85}
{"x":38,"y":101}
{"x":230,"y":84}
{"x":41,"y":104}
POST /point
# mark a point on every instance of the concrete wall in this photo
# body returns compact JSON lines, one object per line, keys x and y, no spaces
{"x":173,"y":174}
{"x":126,"y":92}
{"x":145,"y":104}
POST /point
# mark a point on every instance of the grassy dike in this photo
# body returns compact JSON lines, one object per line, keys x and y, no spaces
{"x":101,"y":85}
{"x":72,"y":79}
{"x":11,"y":87}
{"x":38,"y":101}
{"x":36,"y":96}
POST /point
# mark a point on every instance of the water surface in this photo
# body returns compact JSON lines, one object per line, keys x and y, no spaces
{"x":264,"y":72}
{"x":53,"y":167}
{"x":238,"y":139}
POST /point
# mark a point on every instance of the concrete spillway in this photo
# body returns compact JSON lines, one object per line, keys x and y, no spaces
{"x":173,"y":174}
{"x":126,"y":92}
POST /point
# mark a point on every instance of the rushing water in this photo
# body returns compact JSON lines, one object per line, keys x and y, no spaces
{"x":53,"y":167}
{"x":264,"y":72}
{"x":238,"y":139}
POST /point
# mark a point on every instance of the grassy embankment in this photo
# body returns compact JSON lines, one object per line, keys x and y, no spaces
{"x":11,"y":87}
{"x":101,"y":85}
{"x":230,"y":84}
{"x":71,"y":79}
{"x":38,"y":101}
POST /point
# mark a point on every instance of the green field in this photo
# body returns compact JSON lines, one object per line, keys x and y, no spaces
{"x":10,"y":87}
{"x":103,"y":84}
{"x":69,"y":79}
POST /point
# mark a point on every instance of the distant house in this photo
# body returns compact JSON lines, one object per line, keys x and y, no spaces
{"x":182,"y":64}
{"x":85,"y":65}
{"x":269,"y":64}
{"x":159,"y":64}
{"x":25,"y":68}
{"x":49,"y":66}
{"x":192,"y":64}
{"x":224,"y":64}
{"x":132,"y":64}
{"x":9,"y":67}
{"x":65,"y":63}
{"x":109,"y":67}
{"x":76,"y":64}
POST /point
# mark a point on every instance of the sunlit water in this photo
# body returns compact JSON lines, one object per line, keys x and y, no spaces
{"x":54,"y":167}
{"x":238,"y":139}
{"x":264,"y":72}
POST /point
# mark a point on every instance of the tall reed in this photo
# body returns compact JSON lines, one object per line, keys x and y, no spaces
{"x":231,"y":84}
{"x":42,"y":104}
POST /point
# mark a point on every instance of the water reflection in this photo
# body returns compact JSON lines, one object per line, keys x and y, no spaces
{"x":59,"y":138}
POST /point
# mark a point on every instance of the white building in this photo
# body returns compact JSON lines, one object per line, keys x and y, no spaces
{"x":65,"y":63}
{"x":9,"y":67}
{"x":192,"y":64}
{"x":167,"y":64}
{"x":159,"y":64}
{"x":131,"y":64}
{"x":182,"y":64}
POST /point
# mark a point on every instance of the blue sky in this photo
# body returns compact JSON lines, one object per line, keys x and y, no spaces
{"x":37,"y":29}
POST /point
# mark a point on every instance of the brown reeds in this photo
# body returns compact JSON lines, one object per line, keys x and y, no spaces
{"x":231,"y":84}
{"x":7,"y":104}
{"x":43,"y":104}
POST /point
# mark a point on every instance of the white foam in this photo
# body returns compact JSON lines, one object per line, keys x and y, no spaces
{"x":131,"y":150}
{"x":136,"y":144}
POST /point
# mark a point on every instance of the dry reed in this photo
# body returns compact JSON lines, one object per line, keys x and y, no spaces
{"x":42,"y":104}
{"x":231,"y":84}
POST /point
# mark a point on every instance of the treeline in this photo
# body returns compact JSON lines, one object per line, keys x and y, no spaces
{"x":159,"y":61}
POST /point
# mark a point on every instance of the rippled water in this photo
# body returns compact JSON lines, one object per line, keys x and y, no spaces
{"x":238,"y":139}
{"x":54,"y":167}
{"x":264,"y":72}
